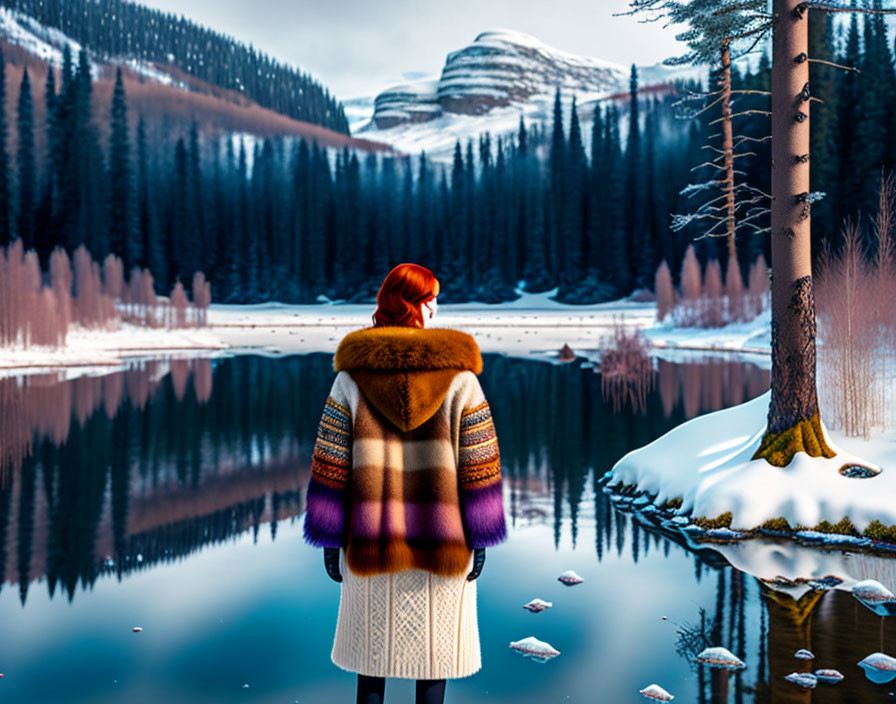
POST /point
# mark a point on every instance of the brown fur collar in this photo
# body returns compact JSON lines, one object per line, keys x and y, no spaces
{"x":405,"y":372}
{"x":408,"y":349}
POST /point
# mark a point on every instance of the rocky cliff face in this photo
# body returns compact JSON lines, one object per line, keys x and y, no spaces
{"x":501,"y":68}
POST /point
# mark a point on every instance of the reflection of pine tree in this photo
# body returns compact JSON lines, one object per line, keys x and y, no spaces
{"x":5,"y":501}
{"x":25,"y":528}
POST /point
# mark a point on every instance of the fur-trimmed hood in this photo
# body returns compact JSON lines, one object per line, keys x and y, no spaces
{"x":405,"y":372}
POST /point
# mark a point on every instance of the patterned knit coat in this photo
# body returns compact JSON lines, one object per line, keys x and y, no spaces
{"x":406,"y":478}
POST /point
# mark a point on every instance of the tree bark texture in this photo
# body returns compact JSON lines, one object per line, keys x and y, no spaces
{"x":793,"y":419}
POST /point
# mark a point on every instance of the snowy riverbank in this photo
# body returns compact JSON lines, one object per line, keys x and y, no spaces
{"x":533,"y":325}
{"x":706,"y":463}
{"x":108,"y":348}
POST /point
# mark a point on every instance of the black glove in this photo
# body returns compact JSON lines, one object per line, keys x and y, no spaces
{"x":331,"y":562}
{"x":478,"y":562}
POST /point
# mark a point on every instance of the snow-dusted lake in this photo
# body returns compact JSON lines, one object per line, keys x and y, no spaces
{"x":169,"y":498}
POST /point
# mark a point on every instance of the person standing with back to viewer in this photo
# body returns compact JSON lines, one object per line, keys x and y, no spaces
{"x":405,"y":494}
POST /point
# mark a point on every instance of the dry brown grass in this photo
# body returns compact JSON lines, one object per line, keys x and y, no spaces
{"x":626,"y":370}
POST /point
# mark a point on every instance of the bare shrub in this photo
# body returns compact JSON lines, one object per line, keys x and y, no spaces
{"x":626,"y":370}
{"x":113,"y":277}
{"x":177,"y":313}
{"x":712,"y":312}
{"x":665,"y":291}
{"x":854,"y":353}
{"x":735,"y":295}
{"x":691,"y":289}
{"x":202,"y":298}
{"x":61,"y":279}
{"x":759,"y":288}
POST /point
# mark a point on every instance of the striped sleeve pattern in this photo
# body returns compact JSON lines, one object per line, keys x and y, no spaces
{"x":325,"y":506}
{"x":479,"y":478}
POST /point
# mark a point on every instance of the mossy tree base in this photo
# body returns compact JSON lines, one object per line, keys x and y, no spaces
{"x":807,"y":436}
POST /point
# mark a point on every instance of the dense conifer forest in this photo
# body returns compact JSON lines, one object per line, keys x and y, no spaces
{"x":285,"y":219}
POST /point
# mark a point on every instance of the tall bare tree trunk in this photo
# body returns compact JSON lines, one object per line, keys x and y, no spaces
{"x":793,"y":420}
{"x":728,"y":151}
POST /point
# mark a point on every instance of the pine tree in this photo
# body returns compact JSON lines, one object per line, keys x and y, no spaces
{"x":5,"y":223}
{"x":559,"y":169}
{"x":618,"y":264}
{"x":26,"y":164}
{"x":575,"y":205}
{"x":634,"y":197}
{"x":122,"y":238}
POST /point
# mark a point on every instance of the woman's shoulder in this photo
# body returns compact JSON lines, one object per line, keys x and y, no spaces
{"x":407,"y":349}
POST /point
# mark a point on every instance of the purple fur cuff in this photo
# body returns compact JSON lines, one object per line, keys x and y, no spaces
{"x":483,"y":516}
{"x":324,"y":516}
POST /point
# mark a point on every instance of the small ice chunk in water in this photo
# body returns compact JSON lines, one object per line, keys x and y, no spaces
{"x":138,"y":629}
{"x":569,"y":578}
{"x":872,"y":591}
{"x":536,"y":649}
{"x":828,"y":676}
{"x":656,"y":693}
{"x":803,"y":654}
{"x":879,"y":668}
{"x":538,"y":605}
{"x":721,"y":657}
{"x":803,"y":679}
{"x":876,"y":597}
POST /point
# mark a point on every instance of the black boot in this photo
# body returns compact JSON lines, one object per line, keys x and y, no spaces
{"x":371,"y":690}
{"x":430,"y":691}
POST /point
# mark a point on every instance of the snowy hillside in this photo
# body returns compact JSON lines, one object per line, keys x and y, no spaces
{"x":161,"y":92}
{"x":488,"y":85}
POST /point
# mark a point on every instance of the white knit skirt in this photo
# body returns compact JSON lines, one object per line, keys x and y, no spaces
{"x":411,"y":624}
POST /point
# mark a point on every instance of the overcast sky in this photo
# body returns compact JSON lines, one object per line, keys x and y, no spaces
{"x":356,"y":47}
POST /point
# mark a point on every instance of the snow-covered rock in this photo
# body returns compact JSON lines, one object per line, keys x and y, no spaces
{"x":570,"y":578}
{"x":879,"y":668}
{"x":488,"y":85}
{"x":803,"y":654}
{"x":537,"y":605}
{"x":873,"y":592}
{"x":803,"y":679}
{"x":829,"y":676}
{"x":498,"y":69}
{"x":721,"y":658}
{"x":535,"y":649}
{"x":656,"y":693}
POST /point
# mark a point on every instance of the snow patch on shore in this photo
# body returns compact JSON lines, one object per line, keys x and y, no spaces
{"x":106,"y":348}
{"x":534,"y":326}
{"x":707,"y":463}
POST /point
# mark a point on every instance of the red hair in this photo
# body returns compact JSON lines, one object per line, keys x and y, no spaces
{"x":404,"y":291}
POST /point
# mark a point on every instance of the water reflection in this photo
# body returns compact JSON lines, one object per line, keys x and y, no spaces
{"x":130,"y":471}
{"x":118,"y":472}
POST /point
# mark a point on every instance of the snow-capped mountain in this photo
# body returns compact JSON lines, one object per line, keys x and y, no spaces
{"x":488,"y":85}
